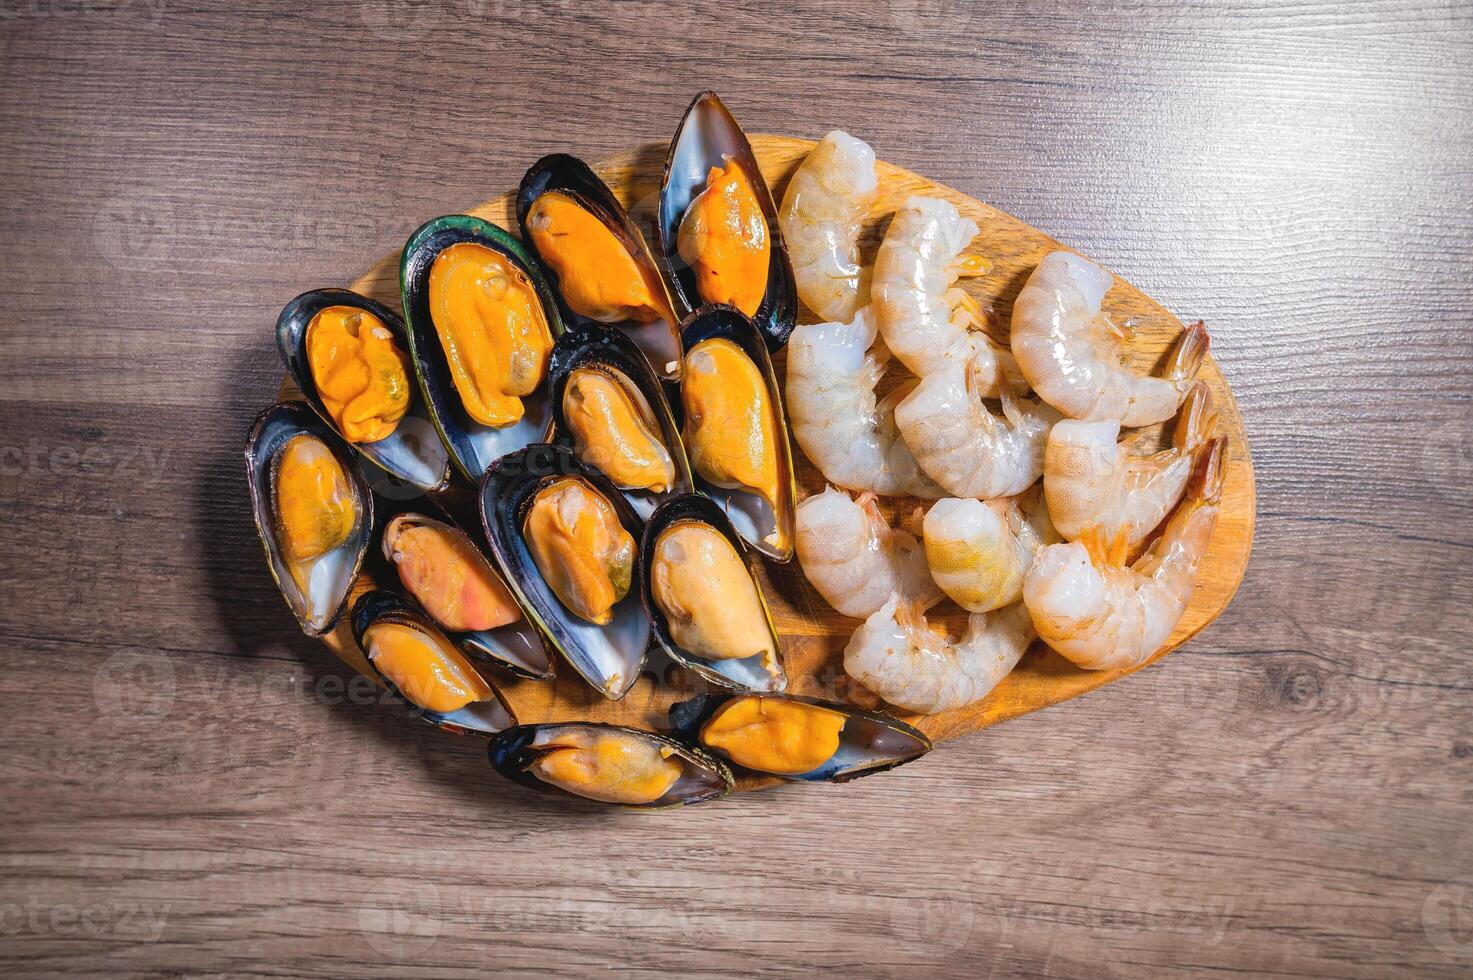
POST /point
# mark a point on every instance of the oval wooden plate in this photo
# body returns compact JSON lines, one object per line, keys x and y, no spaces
{"x":813,"y":634}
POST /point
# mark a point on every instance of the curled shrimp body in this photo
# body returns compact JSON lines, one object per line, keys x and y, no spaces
{"x":1102,"y":615}
{"x":825,"y":204}
{"x":849,"y":436}
{"x":854,"y":559}
{"x":979,"y":550}
{"x":924,"y":318}
{"x":961,"y":445}
{"x":1070,"y":352}
{"x":1091,"y":481}
{"x":897,"y":656}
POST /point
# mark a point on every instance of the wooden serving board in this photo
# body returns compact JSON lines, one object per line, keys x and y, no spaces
{"x":813,"y":634}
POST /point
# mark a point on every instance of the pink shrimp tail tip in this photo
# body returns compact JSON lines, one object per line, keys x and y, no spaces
{"x":1187,"y":354}
{"x":911,"y":615}
{"x":1197,"y":419}
{"x":1209,"y":469}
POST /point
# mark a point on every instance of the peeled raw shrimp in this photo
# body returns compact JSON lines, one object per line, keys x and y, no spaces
{"x":979,"y":550}
{"x":1101,"y":614}
{"x":850,"y":437}
{"x":1070,"y":351}
{"x":961,"y":445}
{"x":925,"y":319}
{"x":1090,"y":480}
{"x":824,"y":206}
{"x":854,"y":559}
{"x":897,"y":656}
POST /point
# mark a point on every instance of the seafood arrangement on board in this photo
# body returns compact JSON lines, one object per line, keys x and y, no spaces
{"x":595,"y":493}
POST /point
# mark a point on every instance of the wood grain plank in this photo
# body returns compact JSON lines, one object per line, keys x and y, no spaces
{"x":1287,"y":796}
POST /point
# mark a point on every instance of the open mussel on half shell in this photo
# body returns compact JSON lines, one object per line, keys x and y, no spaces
{"x":567,"y":542}
{"x":350,"y":357}
{"x":719,"y":236}
{"x":428,"y":672}
{"x":610,"y":408}
{"x":703,"y":598}
{"x":482,"y":322}
{"x":444,"y":569}
{"x":799,"y":739}
{"x":735,"y":430}
{"x":596,"y":258}
{"x":312,"y":508}
{"x":610,"y":764}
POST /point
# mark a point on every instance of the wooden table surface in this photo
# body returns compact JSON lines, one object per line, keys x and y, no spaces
{"x":190,"y":787}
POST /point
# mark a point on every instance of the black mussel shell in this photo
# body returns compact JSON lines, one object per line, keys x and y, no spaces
{"x":569,"y":175}
{"x":519,"y":647}
{"x":413,"y":452}
{"x":473,"y":446}
{"x":707,"y":778}
{"x":609,"y":657}
{"x":270,"y":432}
{"x":870,"y":741}
{"x":476,"y":718}
{"x":592,"y":346}
{"x":707,"y":135}
{"x":750,"y":514}
{"x":750,"y":674}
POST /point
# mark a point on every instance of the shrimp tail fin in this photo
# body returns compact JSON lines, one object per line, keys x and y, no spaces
{"x":1012,"y":410}
{"x":1197,"y":419}
{"x":869,"y":504}
{"x":1189,"y":528}
{"x":909,"y":614}
{"x":1209,"y":468}
{"x":885,"y":407}
{"x":1105,"y":549}
{"x":1186,"y":355}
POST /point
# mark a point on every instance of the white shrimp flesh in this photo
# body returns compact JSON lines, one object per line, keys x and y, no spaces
{"x":896,"y":655}
{"x":823,"y":210}
{"x":979,"y":551}
{"x":849,"y":435}
{"x":1092,"y":481}
{"x":961,"y":445}
{"x":924,"y":317}
{"x":1070,"y":351}
{"x":1101,"y":614}
{"x":855,"y":559}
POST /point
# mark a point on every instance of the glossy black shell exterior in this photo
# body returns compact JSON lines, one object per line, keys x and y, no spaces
{"x":750,"y":674}
{"x":519,"y":648}
{"x":513,"y":751}
{"x":610,"y":657}
{"x":269,"y":433}
{"x":473,"y":447}
{"x":660,"y":341}
{"x":413,"y":453}
{"x":383,"y":606}
{"x":753,"y":520}
{"x":589,"y":345}
{"x":707,"y":135}
{"x":856,"y":756}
